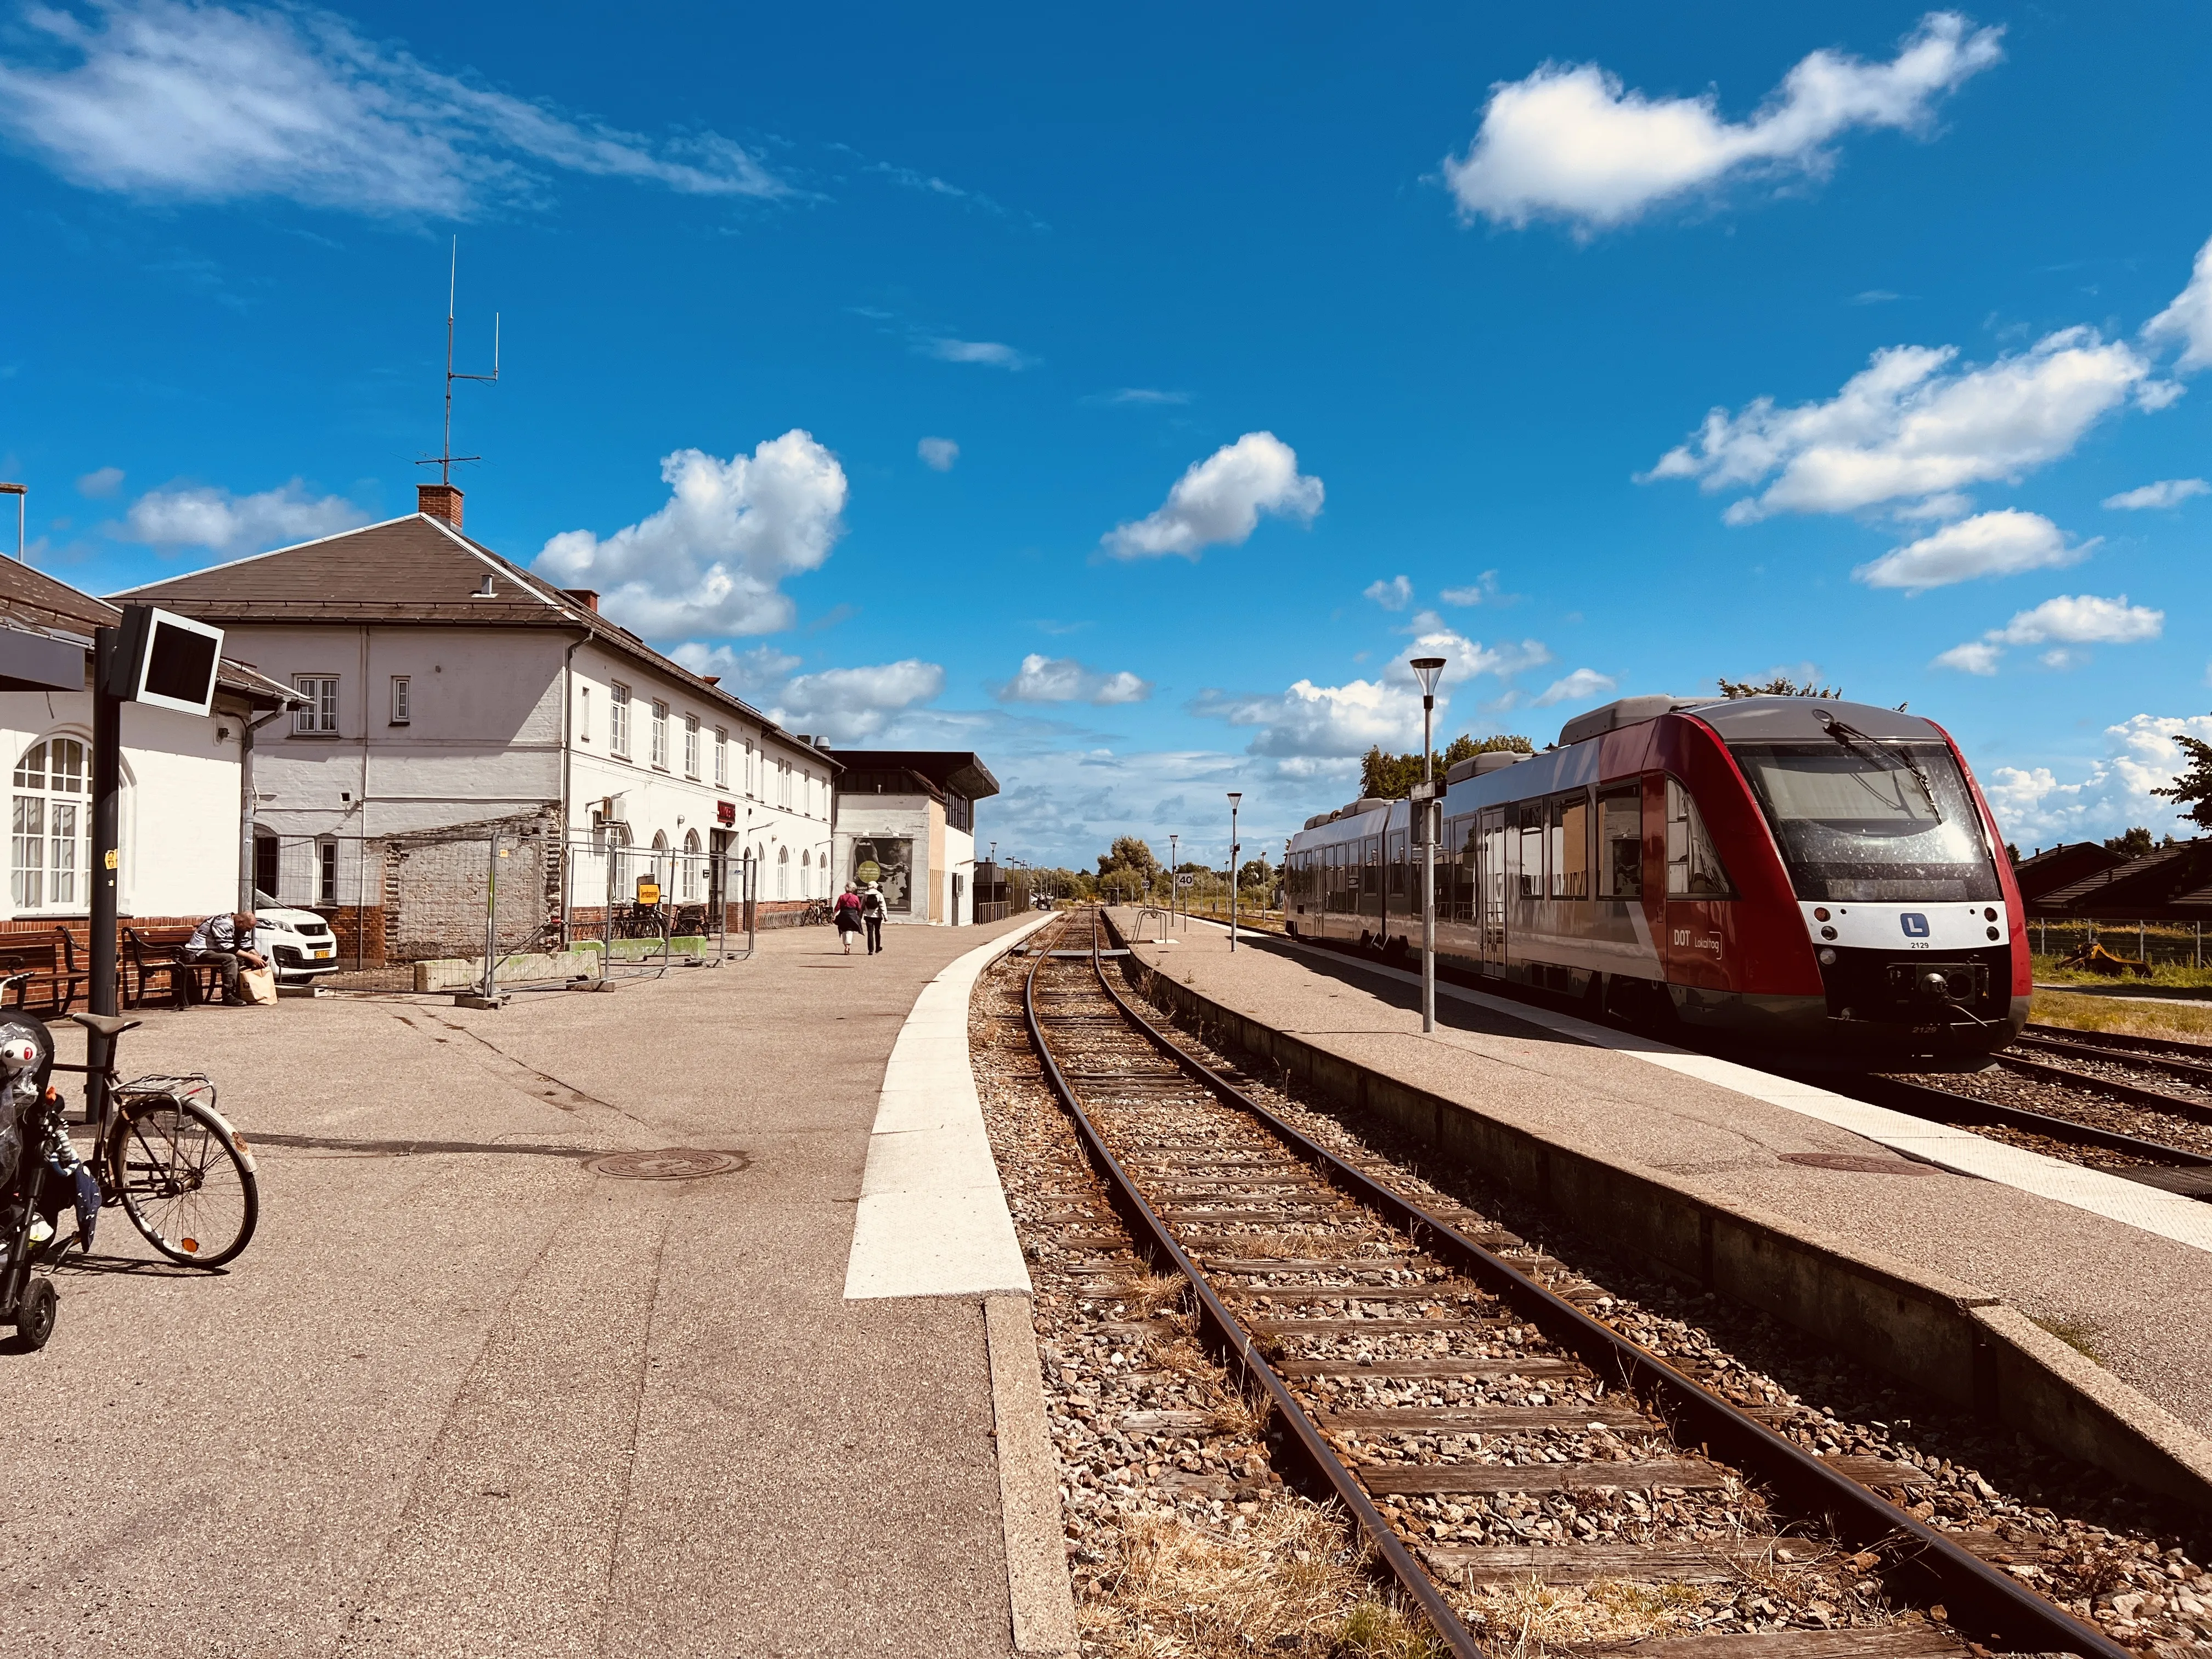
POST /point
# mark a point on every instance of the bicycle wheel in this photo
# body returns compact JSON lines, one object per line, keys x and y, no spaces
{"x":181,"y":1179}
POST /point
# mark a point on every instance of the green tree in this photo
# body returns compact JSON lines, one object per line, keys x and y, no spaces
{"x":2136,"y":842}
{"x":1386,"y":776}
{"x":1780,"y":686}
{"x":2190,"y":793}
{"x":1256,"y":874}
{"x":2012,"y":852}
{"x":1130,"y":853}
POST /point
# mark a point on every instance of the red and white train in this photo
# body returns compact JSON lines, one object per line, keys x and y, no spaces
{"x":1817,"y":880}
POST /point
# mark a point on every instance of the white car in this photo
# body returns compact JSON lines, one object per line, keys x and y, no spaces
{"x":298,"y":944}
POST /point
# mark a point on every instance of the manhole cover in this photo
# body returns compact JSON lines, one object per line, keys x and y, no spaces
{"x":1856,"y":1163}
{"x":668,"y":1163}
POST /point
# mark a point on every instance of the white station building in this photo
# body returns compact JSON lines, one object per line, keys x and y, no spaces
{"x":451,"y":696}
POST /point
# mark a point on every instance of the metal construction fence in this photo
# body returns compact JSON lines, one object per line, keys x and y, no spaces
{"x":499,"y":908}
{"x":2162,"y":943}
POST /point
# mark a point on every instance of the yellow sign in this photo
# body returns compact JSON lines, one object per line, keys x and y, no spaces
{"x":111,"y":858}
{"x":868,"y":869}
{"x":649,"y":892}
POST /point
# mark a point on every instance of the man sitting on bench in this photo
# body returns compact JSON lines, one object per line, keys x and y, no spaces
{"x":221,"y":942}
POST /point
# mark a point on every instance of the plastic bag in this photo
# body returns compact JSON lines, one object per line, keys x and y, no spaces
{"x":258,"y":985}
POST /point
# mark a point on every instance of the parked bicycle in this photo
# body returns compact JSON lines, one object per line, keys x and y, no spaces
{"x":180,"y":1172}
{"x":819,"y":913}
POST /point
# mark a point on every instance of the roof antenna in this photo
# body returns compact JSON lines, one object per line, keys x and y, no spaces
{"x":444,"y":462}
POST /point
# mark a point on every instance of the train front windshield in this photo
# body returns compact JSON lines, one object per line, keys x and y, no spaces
{"x":1872,"y":821}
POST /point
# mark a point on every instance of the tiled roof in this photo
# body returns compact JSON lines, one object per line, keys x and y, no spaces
{"x":415,"y":569}
{"x":956,"y":770}
{"x":2168,"y":883}
{"x":31,"y":599}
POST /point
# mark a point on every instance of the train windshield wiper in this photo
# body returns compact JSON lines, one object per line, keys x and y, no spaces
{"x":1850,"y":738}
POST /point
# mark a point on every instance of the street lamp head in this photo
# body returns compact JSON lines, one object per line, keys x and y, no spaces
{"x":1236,"y":795}
{"x":1428,"y":671}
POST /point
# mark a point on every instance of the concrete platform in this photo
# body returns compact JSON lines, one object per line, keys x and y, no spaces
{"x":463,"y":1396}
{"x":2144,"y":1299}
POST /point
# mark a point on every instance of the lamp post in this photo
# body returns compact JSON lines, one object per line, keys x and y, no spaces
{"x":1174,"y":880}
{"x":1236,"y":796}
{"x":1428,"y":670}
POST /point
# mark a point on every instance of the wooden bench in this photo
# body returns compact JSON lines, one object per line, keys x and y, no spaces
{"x":51,"y":961}
{"x":155,"y":953}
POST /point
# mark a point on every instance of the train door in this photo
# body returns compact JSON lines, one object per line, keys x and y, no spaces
{"x":1490,"y":887}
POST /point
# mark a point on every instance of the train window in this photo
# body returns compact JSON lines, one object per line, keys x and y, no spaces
{"x":1872,"y":820}
{"x":1570,"y":845}
{"x":1621,"y":842}
{"x":1533,"y":884}
{"x":1693,"y":866}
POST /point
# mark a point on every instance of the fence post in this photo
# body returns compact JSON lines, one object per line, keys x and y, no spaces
{"x":752,"y":905}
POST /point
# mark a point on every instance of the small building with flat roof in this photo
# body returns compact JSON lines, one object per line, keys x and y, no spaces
{"x":906,"y":821}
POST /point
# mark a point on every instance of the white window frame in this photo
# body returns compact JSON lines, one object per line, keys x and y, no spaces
{"x":690,"y":745}
{"x":40,"y":849}
{"x":326,"y":872}
{"x":618,"y":720}
{"x":403,"y":701}
{"x":319,"y":716}
{"x":583,"y":714}
{"x":721,"y":757}
{"x":659,"y":735}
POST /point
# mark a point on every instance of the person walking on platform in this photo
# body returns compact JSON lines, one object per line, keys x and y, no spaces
{"x":849,"y":916}
{"x":872,"y":913}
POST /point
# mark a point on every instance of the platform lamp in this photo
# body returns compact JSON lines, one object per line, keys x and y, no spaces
{"x":1428,"y":671}
{"x":1175,"y":878}
{"x":1235,"y":797}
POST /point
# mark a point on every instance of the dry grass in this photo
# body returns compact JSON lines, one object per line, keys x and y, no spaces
{"x":1239,"y":1415}
{"x":1529,"y":1616}
{"x":1150,"y":1293}
{"x":1289,"y":1581}
{"x":2175,"y":1022}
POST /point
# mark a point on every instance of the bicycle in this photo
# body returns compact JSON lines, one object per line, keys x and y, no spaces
{"x":818,"y":913}
{"x":185,"y":1177}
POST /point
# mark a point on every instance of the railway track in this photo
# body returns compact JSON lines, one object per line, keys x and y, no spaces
{"x":1416,"y":1375}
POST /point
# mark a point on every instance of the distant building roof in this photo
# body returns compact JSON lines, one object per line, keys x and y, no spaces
{"x":30,"y":599}
{"x":2168,"y":884}
{"x":415,"y":569}
{"x":2062,"y":866}
{"x":955,"y":770}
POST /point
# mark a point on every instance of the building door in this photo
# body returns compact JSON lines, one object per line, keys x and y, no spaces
{"x":718,"y":872}
{"x":1490,"y":887}
{"x":955,"y":898}
{"x":265,"y":851}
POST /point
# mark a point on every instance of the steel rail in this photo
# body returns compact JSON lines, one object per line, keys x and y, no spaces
{"x":2057,"y":1040}
{"x":1942,"y":1106}
{"x":2127,"y":1042}
{"x":1303,"y":1432}
{"x":2135,"y":1093}
{"x":1978,"y":1599}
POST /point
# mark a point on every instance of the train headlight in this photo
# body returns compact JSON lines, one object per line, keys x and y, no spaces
{"x":1828,"y":932}
{"x":1820,"y":912}
{"x":1989,"y":915}
{"x":1993,"y":933}
{"x":1828,"y":957}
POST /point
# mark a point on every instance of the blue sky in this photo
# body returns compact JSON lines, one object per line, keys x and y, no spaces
{"x":1081,"y":391}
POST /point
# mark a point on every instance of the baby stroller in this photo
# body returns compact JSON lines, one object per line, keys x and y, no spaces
{"x":40,"y":1175}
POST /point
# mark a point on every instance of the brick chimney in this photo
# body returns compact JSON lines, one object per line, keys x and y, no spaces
{"x":586,"y":596}
{"x":439,"y":501}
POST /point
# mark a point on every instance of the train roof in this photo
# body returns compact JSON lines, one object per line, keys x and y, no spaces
{"x":1574,"y":759}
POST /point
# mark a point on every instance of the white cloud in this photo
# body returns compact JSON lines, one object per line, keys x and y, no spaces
{"x":1063,"y":679}
{"x":756,"y":673}
{"x":710,"y":562}
{"x":1571,"y":142}
{"x":1318,"y":723}
{"x":2034,"y":809}
{"x":2189,"y":319}
{"x":847,"y":705}
{"x":995,"y":354}
{"x":1482,"y":589}
{"x":1582,"y":684}
{"x":1127,"y":396}
{"x":2001,"y":543}
{"x":1908,"y":427}
{"x":101,"y":483}
{"x":1393,"y":595}
{"x":938,"y":453}
{"x":2166,"y":492}
{"x":209,"y":103}
{"x":233,"y":526}
{"x":2069,"y":619}
{"x":1220,"y":499}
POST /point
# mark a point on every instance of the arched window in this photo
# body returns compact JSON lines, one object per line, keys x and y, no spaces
{"x":691,"y":879}
{"x":50,"y":822}
{"x":782,"y":872}
{"x":806,"y":874}
{"x":658,"y":875}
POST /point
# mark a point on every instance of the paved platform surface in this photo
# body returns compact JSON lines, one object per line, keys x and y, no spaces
{"x":2146,"y":1299}
{"x":462,"y":1397}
